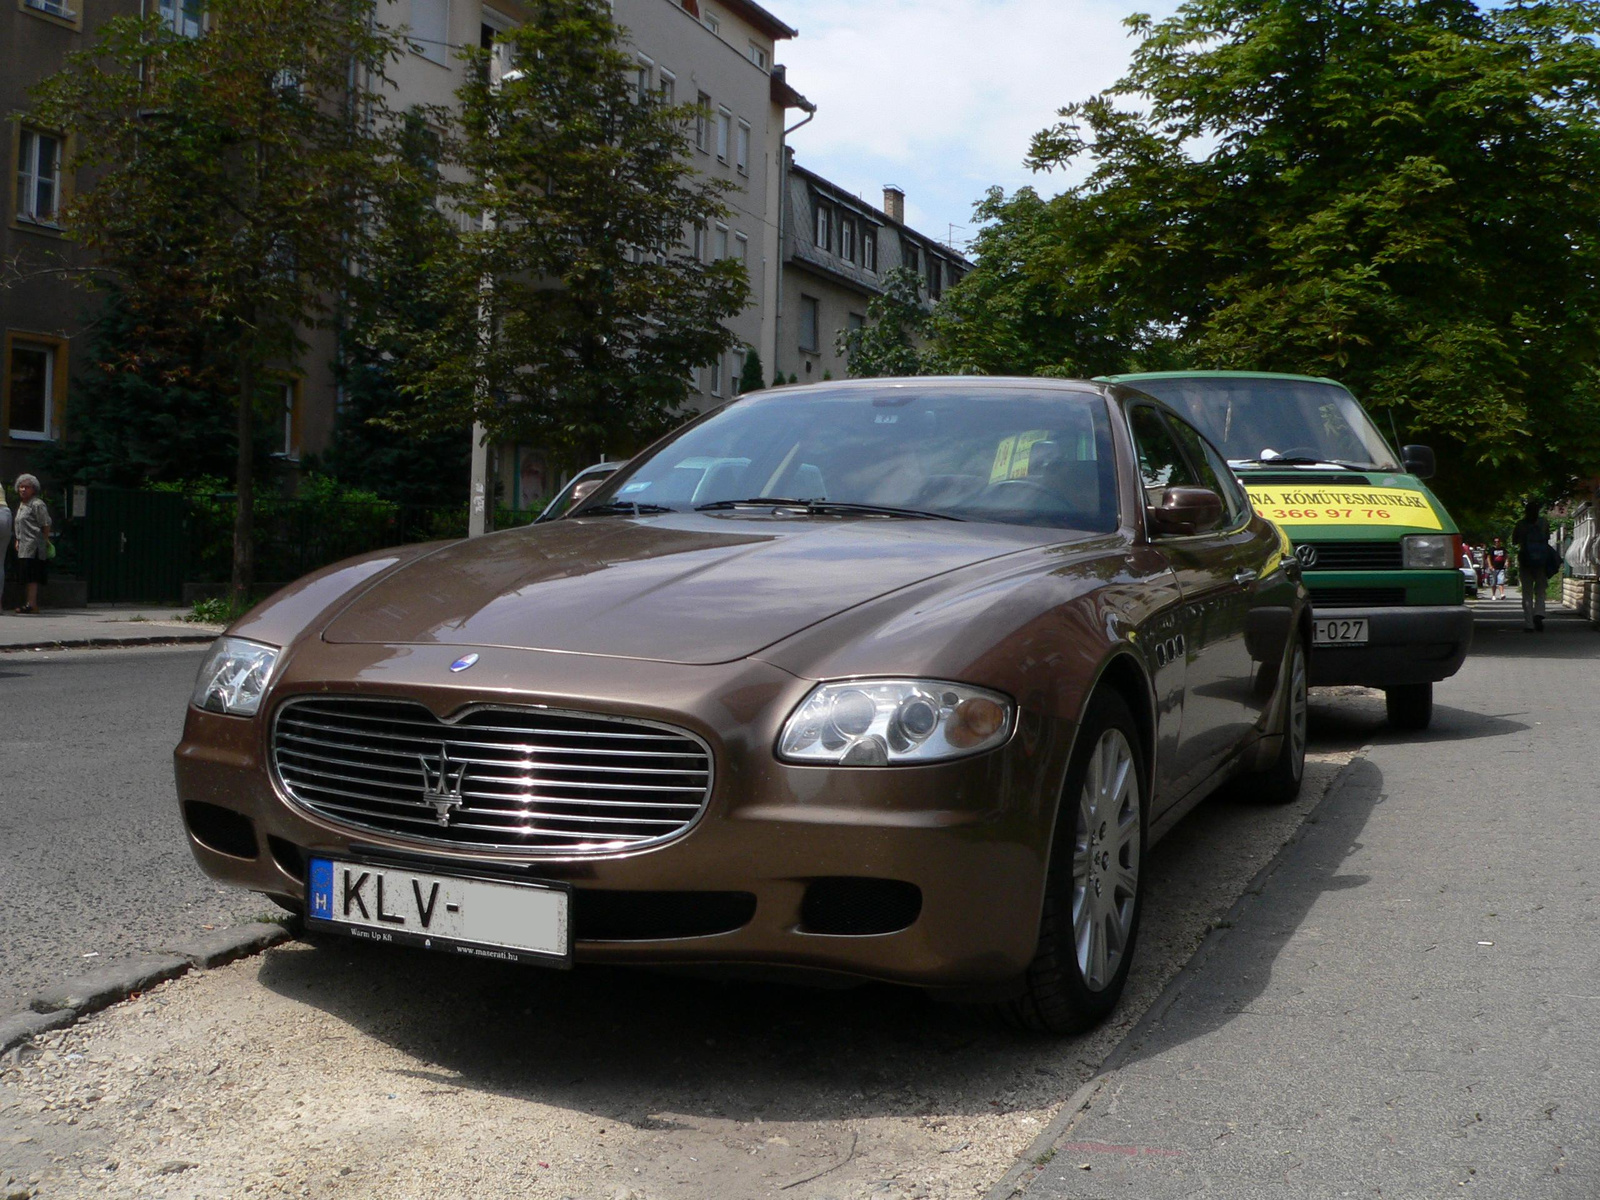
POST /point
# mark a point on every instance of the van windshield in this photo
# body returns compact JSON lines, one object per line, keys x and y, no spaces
{"x":1260,"y":421}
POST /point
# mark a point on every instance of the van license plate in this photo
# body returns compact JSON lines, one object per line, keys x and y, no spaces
{"x":1339,"y":631}
{"x":483,"y":918}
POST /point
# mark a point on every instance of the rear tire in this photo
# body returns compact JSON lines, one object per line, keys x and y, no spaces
{"x":1094,"y":889}
{"x":1280,"y":783}
{"x":1410,"y":705}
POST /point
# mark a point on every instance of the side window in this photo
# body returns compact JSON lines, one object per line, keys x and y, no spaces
{"x":1214,"y":473}
{"x":1161,"y":463}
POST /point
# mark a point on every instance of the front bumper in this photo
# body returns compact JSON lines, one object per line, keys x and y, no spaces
{"x":1414,"y":644}
{"x":971,"y":836}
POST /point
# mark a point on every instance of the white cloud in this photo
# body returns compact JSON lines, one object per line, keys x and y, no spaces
{"x":942,"y":96}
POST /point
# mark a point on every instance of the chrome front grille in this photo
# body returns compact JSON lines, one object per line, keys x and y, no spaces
{"x":526,"y":779}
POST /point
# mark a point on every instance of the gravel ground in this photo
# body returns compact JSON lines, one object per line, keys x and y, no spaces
{"x":333,"y":1068}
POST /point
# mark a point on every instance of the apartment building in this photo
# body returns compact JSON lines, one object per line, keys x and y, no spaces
{"x":837,"y":251}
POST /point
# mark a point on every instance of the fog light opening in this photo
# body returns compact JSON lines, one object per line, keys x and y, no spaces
{"x":221,"y":829}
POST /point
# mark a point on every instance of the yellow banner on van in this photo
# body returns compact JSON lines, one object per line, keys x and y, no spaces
{"x":1312,"y":505}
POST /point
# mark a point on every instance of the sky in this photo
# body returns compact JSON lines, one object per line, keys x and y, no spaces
{"x":941,"y":97}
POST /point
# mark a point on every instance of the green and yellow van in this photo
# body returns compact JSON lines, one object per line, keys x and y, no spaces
{"x":1379,"y":553}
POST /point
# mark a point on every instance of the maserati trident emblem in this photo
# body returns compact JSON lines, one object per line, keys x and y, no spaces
{"x":462,"y":663}
{"x":442,"y":787}
{"x":1306,"y":554}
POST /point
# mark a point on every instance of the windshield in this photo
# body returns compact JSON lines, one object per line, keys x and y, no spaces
{"x":1259,"y":420}
{"x":1027,"y":456}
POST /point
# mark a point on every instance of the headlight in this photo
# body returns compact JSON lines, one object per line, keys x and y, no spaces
{"x":1426,"y":551}
{"x":234,"y":677}
{"x":882,"y":722}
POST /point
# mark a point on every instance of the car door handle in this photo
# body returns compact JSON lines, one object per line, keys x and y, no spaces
{"x":1244,"y":576}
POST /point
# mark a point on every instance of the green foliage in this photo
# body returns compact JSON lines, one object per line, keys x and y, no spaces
{"x":889,"y":342}
{"x":140,"y":410}
{"x":1403,"y":196}
{"x":573,"y":313}
{"x":778,"y":380}
{"x":750,"y":379}
{"x":232,"y":174}
{"x":217,"y":610}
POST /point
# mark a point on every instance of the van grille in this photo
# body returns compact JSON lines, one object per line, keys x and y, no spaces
{"x":528,"y":779}
{"x":1356,"y":597}
{"x":1351,"y":556}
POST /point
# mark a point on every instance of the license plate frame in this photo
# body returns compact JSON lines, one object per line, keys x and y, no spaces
{"x":476,"y":932}
{"x":1339,"y":631}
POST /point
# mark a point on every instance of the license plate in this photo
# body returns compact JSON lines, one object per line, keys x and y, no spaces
{"x":482,"y":918}
{"x":1339,"y":631}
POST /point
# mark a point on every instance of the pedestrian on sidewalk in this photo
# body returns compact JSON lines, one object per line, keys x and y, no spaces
{"x":5,"y":536}
{"x":32,"y":538}
{"x":1499,"y":560}
{"x":1531,"y":537}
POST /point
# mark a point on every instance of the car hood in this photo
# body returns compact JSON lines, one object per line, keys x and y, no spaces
{"x":687,"y":588}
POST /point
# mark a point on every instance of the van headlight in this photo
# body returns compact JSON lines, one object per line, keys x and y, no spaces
{"x":1426,"y":551}
{"x":234,"y":677}
{"x":887,"y":722}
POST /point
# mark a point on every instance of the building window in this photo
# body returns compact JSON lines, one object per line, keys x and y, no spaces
{"x":847,"y":239}
{"x":430,"y":29}
{"x":810,"y":323}
{"x":698,"y":243}
{"x":642,"y":81}
{"x":913,"y":260}
{"x":720,"y":245}
{"x":59,"y":9}
{"x":289,"y":416}
{"x":824,"y":230}
{"x":741,"y":248}
{"x":669,"y":87}
{"x":724,"y":128}
{"x":38,"y":176}
{"x":869,"y":249}
{"x":715,"y":371}
{"x":711,"y":21}
{"x":742,"y":148}
{"x":702,"y":122}
{"x":35,"y":378}
{"x":758,"y":55}
{"x":181,"y":16}
{"x":935,"y":278}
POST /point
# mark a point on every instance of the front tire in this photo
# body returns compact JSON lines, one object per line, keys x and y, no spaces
{"x":1094,"y":890}
{"x":1409,"y":705}
{"x":1280,"y":783}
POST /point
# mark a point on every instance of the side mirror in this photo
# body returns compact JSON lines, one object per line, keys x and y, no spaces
{"x":1185,"y":510}
{"x":1418,"y":461}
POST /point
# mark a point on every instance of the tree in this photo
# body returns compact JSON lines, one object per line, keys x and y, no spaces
{"x":1404,"y":196}
{"x":141,"y":412}
{"x":889,"y":341}
{"x":235,"y":169}
{"x":580,"y":313}
{"x":750,"y":379}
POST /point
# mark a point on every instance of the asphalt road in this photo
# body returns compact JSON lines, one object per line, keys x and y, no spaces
{"x":93,"y":858}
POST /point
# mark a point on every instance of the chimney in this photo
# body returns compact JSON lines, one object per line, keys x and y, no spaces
{"x":894,"y":203}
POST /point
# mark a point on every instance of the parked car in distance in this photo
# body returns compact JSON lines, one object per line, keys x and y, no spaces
{"x":894,"y":679}
{"x":578,"y":489}
{"x":1379,"y":550}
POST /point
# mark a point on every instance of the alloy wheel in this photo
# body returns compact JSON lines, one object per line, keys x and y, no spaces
{"x":1105,"y":860}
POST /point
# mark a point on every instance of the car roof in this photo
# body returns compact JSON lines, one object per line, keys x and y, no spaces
{"x":1135,"y":376}
{"x":962,"y":382}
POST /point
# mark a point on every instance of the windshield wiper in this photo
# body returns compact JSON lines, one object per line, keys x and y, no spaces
{"x":632,"y":508}
{"x":819,"y":506}
{"x":1301,"y":460}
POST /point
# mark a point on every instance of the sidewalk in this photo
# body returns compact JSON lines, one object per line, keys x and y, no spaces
{"x":99,"y":625}
{"x":1408,"y":1006}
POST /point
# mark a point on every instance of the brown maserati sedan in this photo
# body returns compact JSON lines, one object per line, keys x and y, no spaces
{"x":897,"y":679}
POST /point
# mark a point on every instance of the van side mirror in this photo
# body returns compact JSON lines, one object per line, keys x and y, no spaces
{"x":1418,"y":461}
{"x":1185,"y":510}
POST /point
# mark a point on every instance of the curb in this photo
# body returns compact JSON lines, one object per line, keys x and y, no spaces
{"x":101,"y":643}
{"x":1028,"y":1165}
{"x":69,"y":1002}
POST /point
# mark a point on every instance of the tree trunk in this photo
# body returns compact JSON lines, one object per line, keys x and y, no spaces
{"x":244,"y":556}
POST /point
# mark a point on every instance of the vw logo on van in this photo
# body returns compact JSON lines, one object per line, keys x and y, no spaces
{"x":1306,"y":554}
